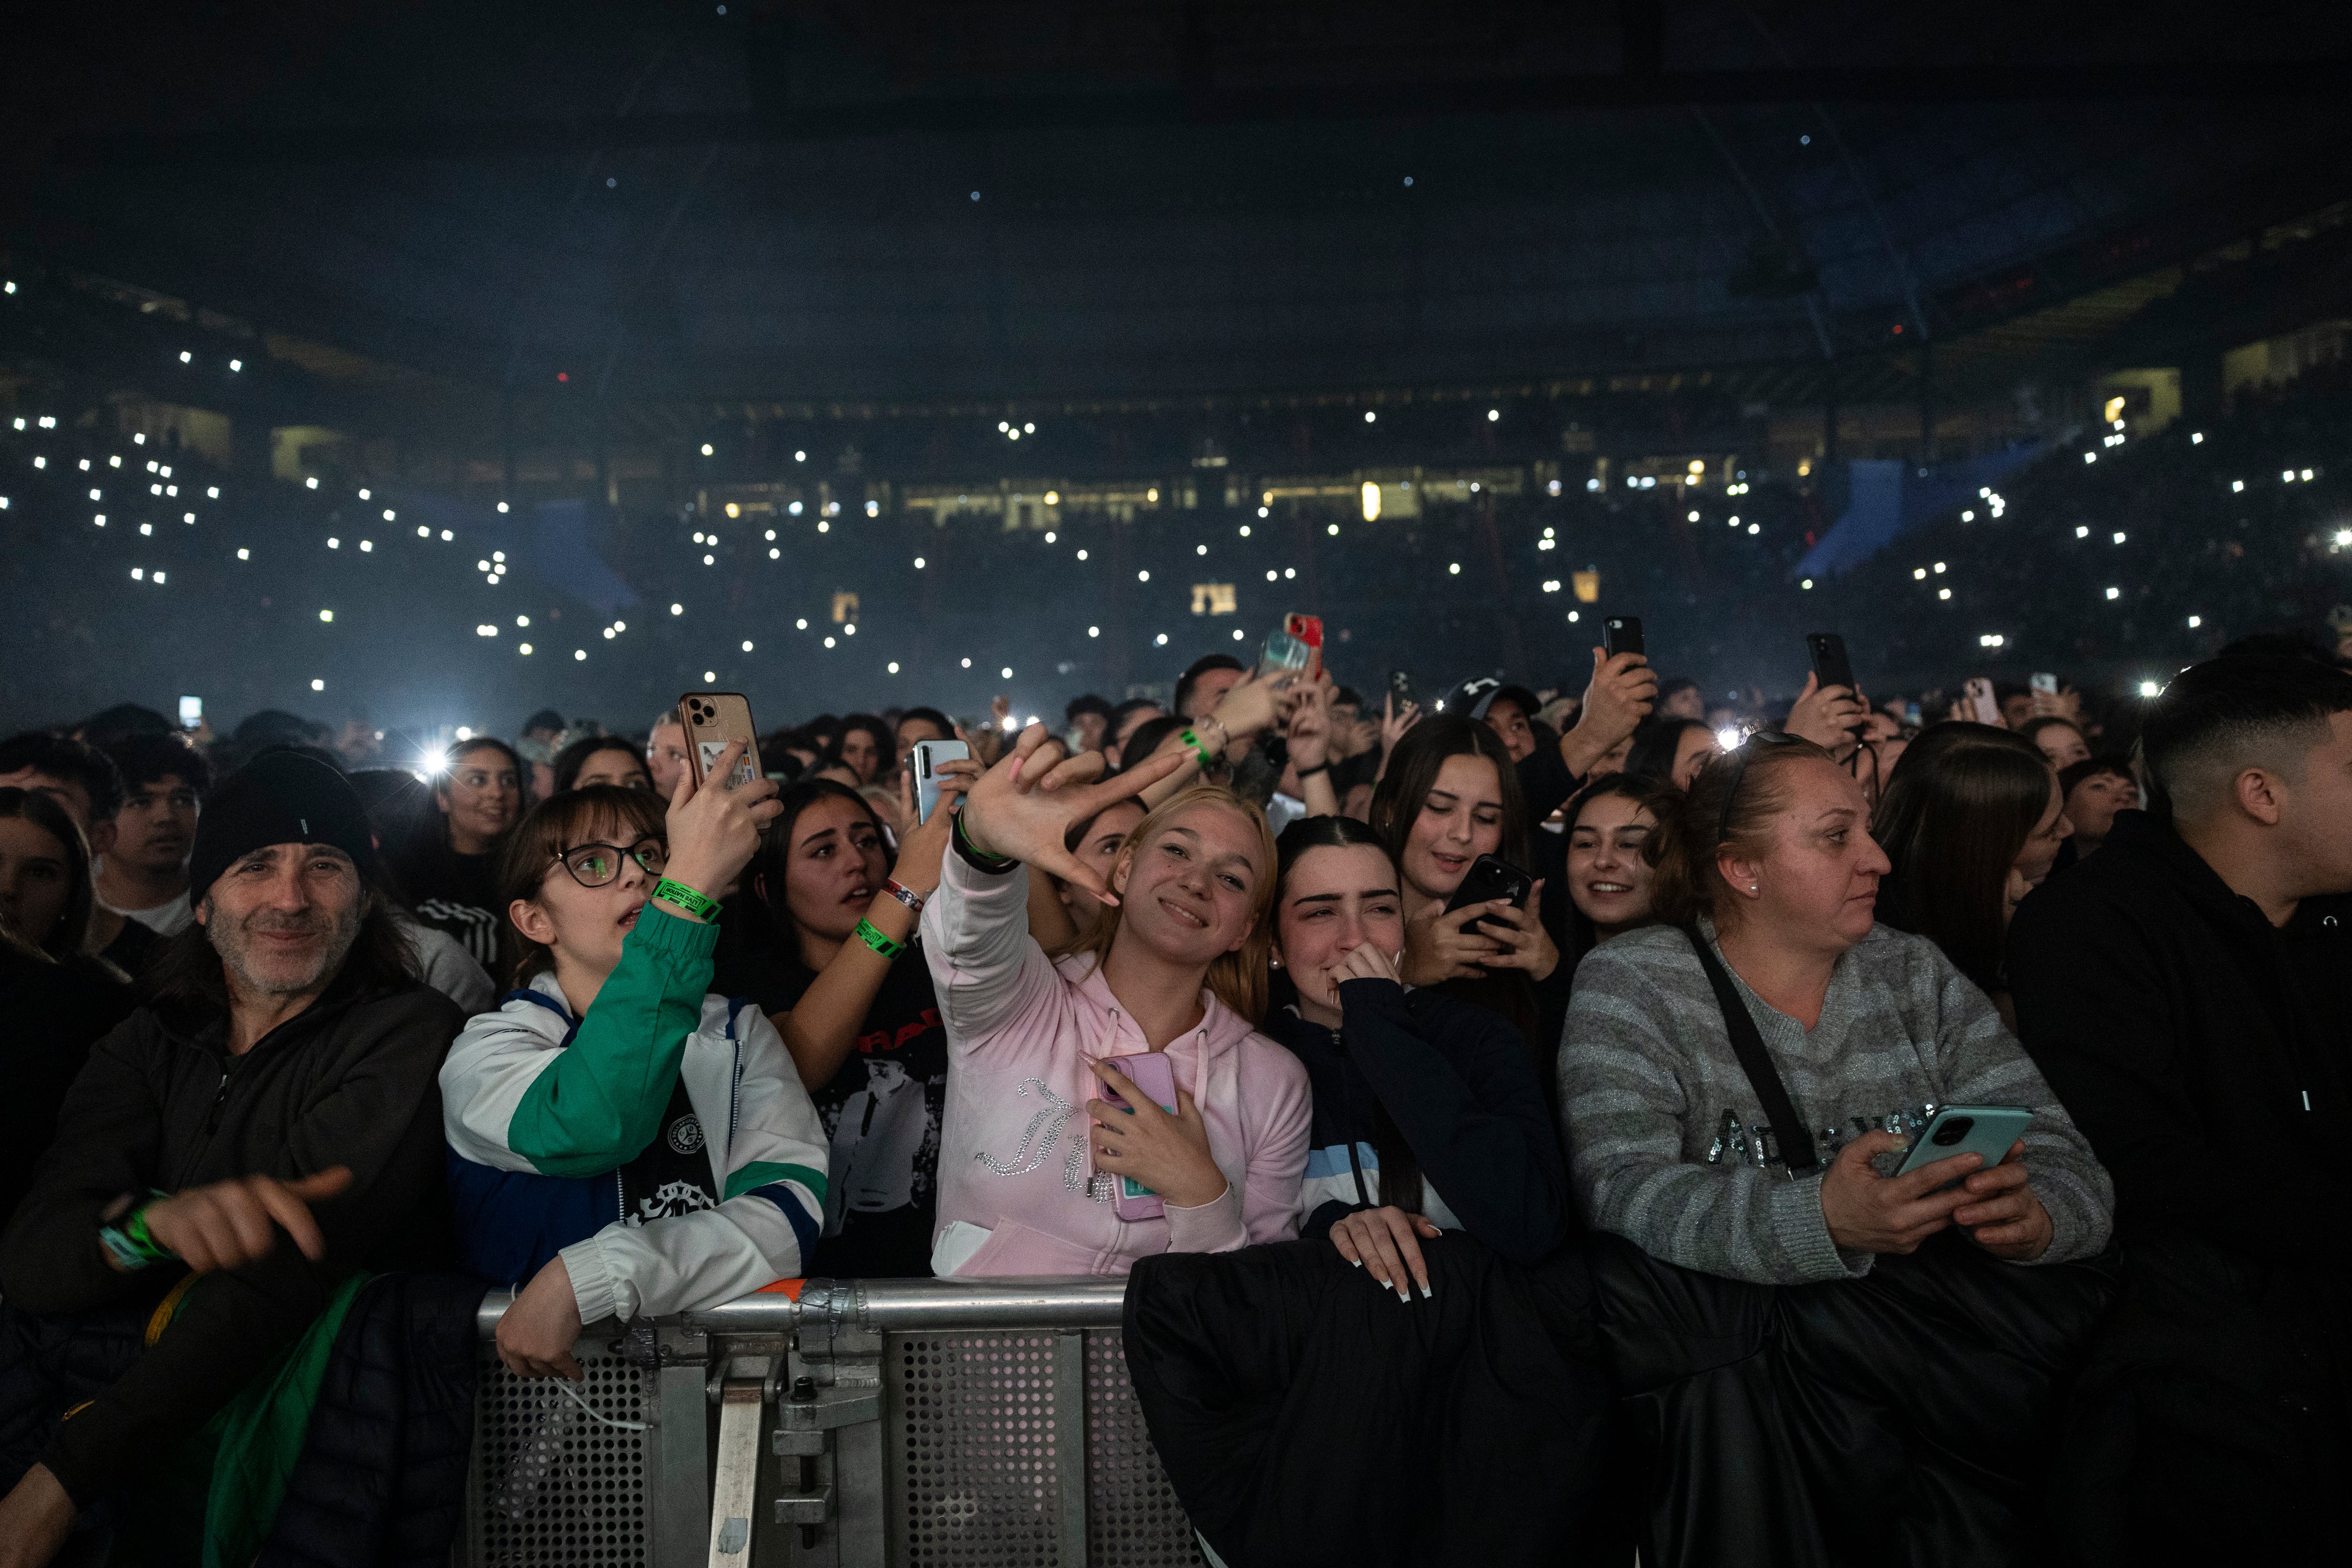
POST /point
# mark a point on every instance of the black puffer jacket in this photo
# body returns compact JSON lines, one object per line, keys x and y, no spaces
{"x":351,"y":1082}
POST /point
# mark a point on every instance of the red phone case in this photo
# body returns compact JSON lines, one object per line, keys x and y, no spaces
{"x":1308,"y":628}
{"x":1153,"y":1073}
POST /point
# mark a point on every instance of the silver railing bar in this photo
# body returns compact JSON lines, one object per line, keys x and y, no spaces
{"x":884,"y":1305}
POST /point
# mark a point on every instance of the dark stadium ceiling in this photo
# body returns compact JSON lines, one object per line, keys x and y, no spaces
{"x":927,"y":200}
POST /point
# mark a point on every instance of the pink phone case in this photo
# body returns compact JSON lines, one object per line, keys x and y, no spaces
{"x":1153,"y":1073}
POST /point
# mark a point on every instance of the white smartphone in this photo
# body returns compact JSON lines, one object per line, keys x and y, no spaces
{"x":1984,"y":1131}
{"x":1980,"y":696}
{"x":928,"y":756}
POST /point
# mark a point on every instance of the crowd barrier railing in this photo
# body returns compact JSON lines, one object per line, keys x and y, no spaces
{"x":841,"y":1423}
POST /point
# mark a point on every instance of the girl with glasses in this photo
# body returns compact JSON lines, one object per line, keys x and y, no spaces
{"x":624,"y":1141}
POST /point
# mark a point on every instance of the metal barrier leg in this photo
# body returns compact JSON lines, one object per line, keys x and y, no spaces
{"x":736,"y":1468}
{"x":1070,"y":1449}
{"x":684,"y":1476}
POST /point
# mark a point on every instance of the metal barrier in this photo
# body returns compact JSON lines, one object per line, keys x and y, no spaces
{"x":854,"y":1424}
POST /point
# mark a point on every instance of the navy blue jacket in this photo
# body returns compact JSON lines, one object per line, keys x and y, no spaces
{"x":1460,"y":1085}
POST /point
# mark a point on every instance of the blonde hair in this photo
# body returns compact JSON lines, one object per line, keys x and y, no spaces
{"x":1236,"y":978}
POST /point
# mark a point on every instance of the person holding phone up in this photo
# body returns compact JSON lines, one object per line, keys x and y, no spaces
{"x":625,"y":1141}
{"x":1033,"y":1150}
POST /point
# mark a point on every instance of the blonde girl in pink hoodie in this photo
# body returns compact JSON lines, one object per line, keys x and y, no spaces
{"x":1030,"y":1151}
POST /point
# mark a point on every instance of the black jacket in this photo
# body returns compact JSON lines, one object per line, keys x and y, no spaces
{"x":382,"y":1479}
{"x":1459,"y":1084}
{"x":162,"y":1106}
{"x":53,"y":1013}
{"x":2202,"y":1050}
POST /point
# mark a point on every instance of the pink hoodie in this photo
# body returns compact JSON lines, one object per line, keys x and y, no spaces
{"x":1014,"y":1161}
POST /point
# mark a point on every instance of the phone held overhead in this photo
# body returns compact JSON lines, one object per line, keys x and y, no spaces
{"x":926,"y":759}
{"x":1622,"y":634}
{"x":712,"y":719}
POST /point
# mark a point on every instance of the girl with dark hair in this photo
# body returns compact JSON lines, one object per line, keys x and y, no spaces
{"x":622,"y":1137}
{"x":1428,"y":1114}
{"x":1972,"y":819}
{"x":1449,"y":796}
{"x":865,"y":746}
{"x":2096,"y":788}
{"x":601,"y":759}
{"x":449,"y":866}
{"x":1607,"y":826}
{"x":1672,"y":750}
{"x":46,"y":894}
{"x":920,"y":724}
{"x":842,"y":983}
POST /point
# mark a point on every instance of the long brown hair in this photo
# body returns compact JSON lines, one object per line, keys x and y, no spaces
{"x":1236,"y":978}
{"x":1955,"y":815}
{"x":1693,"y":830}
{"x":73,"y":921}
{"x":1413,"y":773}
{"x":558,"y":823}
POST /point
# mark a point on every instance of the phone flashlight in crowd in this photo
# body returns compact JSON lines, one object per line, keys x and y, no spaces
{"x":1285,"y":656}
{"x":711,"y":720}
{"x":192,"y":713}
{"x":926,"y":761}
{"x":1622,"y":634}
{"x":1730,"y":737}
{"x":1401,"y":689}
{"x":2043,"y":681}
{"x":1911,"y":715}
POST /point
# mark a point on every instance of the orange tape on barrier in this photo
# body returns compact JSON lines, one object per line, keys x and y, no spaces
{"x":789,"y":1289}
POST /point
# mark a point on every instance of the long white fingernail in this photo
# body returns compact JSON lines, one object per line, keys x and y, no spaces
{"x":1355,"y":1262}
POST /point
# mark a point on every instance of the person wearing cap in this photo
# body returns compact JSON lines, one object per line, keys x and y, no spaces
{"x":266,"y":1125}
{"x":1508,"y":710}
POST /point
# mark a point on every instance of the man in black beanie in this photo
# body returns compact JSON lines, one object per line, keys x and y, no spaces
{"x":269,"y":1124}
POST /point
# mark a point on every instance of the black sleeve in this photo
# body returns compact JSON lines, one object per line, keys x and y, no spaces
{"x":1468,"y":1103}
{"x":1545,"y":783}
{"x":380,"y":1115}
{"x":109,"y":1134}
{"x":1327,"y":1214}
{"x":2093,"y":1011}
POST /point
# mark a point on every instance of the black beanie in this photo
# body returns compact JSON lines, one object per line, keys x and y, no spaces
{"x":279,"y":798}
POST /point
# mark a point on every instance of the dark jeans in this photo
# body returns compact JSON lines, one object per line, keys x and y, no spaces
{"x":1908,"y":1416}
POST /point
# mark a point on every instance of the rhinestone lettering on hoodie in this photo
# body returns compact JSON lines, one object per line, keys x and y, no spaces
{"x":1032,"y":1154}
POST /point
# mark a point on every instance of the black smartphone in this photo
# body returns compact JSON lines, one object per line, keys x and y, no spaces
{"x":1401,"y":689}
{"x":1491,"y":877}
{"x":1622,"y":634}
{"x":1831,"y":666}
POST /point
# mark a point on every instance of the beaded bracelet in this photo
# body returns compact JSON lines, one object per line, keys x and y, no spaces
{"x":700,"y":905}
{"x":874,"y":937}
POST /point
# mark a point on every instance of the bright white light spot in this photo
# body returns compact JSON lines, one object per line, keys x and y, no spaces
{"x":1453,"y":569}
{"x":2195,"y":622}
{"x":138,"y":574}
{"x":2306,"y":474}
{"x":1989,"y":640}
{"x":706,"y":449}
{"x":318,"y":685}
{"x":1493,"y":415}
{"x":1082,"y":555}
{"x":1200,"y":550}
{"x":1369,"y":417}
{"x":244,"y":555}
{"x":311,"y":483}
{"x":608,"y":633}
{"x":1728,"y":737}
{"x":446,"y":535}
{"x":775,"y":554}
{"x":522,"y":648}
{"x":1238,"y":633}
{"x":800,"y":456}
{"x":1093,"y":630}
{"x":186,"y":356}
{"x":1807,"y":584}
{"x":894,"y":666}
{"x":1939,"y":566}
{"x":873,"y":508}
{"x":2237,"y":485}
{"x":967,"y":663}
{"x":367,"y":547}
{"x":747,"y":644}
{"x":1289,"y":571}
{"x":1161,"y":641}
{"x":710,"y":560}
{"x":212,"y":493}
{"x":2150,"y":689}
{"x":829,"y":642}
{"x":1755,"y":528}
{"x":1693,"y":518}
{"x":1143,"y":577}
{"x":2090,"y":457}
{"x":1943,"y":593}
{"x":2196,"y":438}
{"x":2119,"y":537}
{"x":2114,"y":593}
{"x":824,"y":527}
{"x":1918,"y":574}
{"x":326,"y":615}
{"x":1006,"y":673}
{"x":1333,"y":530}
{"x":1571,"y":617}
{"x":580,"y":653}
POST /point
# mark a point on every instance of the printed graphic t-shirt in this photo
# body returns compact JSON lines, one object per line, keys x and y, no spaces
{"x":881,"y":1111}
{"x":670,"y":1176}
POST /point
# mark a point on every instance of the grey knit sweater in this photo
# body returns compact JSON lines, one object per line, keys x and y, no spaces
{"x":1665,"y":1135}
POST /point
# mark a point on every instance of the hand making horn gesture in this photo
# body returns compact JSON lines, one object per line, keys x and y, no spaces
{"x":1021,"y":808}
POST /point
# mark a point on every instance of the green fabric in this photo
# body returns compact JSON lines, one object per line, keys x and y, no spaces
{"x":216,"y":1496}
{"x":261,"y":1437}
{"x":761,"y":1172}
{"x":598,"y":1105}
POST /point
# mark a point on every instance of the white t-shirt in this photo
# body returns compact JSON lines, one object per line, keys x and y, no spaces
{"x":165,"y":919}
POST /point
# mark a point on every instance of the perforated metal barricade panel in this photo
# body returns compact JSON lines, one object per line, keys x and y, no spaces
{"x":971,"y":1446}
{"x":552,"y":1485}
{"x":1133,"y":1520}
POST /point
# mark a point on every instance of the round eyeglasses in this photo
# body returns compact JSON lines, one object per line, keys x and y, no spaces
{"x":596,"y":865}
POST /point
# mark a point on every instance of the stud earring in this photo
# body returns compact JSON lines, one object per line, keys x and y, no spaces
{"x":1751,"y":887}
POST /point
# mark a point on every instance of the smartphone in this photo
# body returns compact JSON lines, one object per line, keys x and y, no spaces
{"x":1981,"y":701}
{"x":2044,"y":682}
{"x":1154,"y":1075}
{"x":1831,"y":666}
{"x":1984,"y":1131}
{"x":1284,"y":655}
{"x":1622,"y":634}
{"x":927,"y":757}
{"x":1911,"y":715}
{"x":1491,"y":877}
{"x":711,"y":720}
{"x":1308,"y":628}
{"x":192,"y":713}
{"x":1400,"y":688}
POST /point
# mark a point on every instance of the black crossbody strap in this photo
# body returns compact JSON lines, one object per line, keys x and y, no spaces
{"x":1748,"y":1044}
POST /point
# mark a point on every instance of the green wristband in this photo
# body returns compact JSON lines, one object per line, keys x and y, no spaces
{"x":974,"y":851}
{"x":1198,"y":750}
{"x":873,"y":937}
{"x":700,"y":905}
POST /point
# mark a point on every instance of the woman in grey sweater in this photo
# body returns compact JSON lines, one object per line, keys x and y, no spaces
{"x":1770,"y":859}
